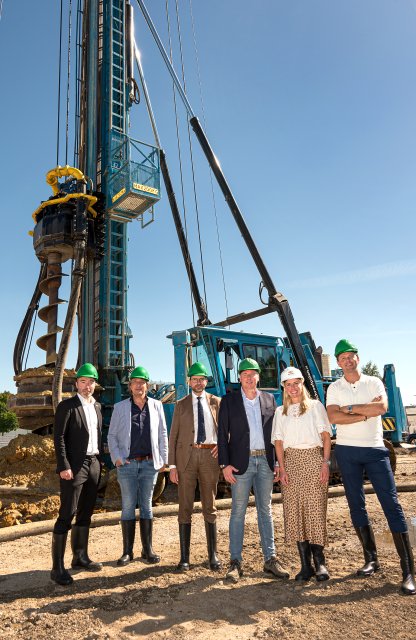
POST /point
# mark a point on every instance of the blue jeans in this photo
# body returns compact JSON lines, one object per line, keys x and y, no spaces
{"x":375,"y":462}
{"x":136,"y":480}
{"x":260,"y":477}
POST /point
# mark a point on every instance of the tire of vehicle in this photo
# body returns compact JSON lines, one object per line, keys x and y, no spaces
{"x":392,"y":455}
{"x":159,"y":486}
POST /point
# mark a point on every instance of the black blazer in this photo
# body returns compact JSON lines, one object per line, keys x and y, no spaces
{"x":71,"y":435}
{"x":234,"y":432}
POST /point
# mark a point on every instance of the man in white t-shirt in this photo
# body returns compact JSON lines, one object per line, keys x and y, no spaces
{"x":355,"y":404}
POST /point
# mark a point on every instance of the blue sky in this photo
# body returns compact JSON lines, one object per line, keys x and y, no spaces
{"x":310,"y":106}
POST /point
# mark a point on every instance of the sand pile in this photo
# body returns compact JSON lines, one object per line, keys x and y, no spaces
{"x":28,"y":461}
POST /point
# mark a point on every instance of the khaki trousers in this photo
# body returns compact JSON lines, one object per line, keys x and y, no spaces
{"x":204,"y":469}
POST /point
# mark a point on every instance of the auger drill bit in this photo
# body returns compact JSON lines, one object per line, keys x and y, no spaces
{"x":49,"y":314}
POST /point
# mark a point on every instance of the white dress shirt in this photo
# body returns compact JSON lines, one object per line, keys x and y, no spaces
{"x":210,"y":434}
{"x":253,"y":413}
{"x":92,"y":424}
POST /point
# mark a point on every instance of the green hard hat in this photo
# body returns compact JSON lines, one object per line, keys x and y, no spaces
{"x":197,"y":369}
{"x":343,"y":346}
{"x":140,"y":372}
{"x":87,"y":370}
{"x":248,"y":364}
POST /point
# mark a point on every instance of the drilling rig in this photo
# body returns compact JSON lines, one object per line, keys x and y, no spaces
{"x":84,"y":223}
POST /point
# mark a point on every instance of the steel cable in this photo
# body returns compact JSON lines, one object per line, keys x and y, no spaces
{"x":178,"y":140}
{"x":192,"y":160}
{"x":68,"y":79}
{"x":59,"y":86}
{"x":210,"y":170}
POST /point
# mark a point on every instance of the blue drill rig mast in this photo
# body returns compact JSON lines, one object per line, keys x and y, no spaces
{"x":126,"y":171}
{"x":117,"y":180}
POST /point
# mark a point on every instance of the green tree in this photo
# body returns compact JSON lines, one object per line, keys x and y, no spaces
{"x":371,"y":369}
{"x":8,"y":419}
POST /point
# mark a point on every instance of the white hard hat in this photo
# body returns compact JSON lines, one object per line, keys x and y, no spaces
{"x":291,"y":373}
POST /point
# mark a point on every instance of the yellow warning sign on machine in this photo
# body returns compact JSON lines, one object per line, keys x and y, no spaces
{"x":389,"y":424}
{"x":119,"y":194}
{"x":145,"y":188}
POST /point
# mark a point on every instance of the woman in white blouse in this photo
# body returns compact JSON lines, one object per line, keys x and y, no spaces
{"x":302,"y":438}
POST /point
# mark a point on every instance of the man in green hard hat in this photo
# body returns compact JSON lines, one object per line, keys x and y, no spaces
{"x":355,"y":403}
{"x":138,"y":445}
{"x":247,"y":457}
{"x":77,"y":439}
{"x":193,"y":457}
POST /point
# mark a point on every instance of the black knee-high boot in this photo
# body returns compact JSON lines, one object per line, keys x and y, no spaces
{"x":79,"y":544}
{"x":146,"y":534}
{"x":185,"y":543}
{"x":321,"y":572}
{"x":402,"y":543}
{"x":366,"y":537}
{"x":306,"y":572}
{"x":211,"y":533}
{"x":59,"y":574}
{"x":128,"y":530}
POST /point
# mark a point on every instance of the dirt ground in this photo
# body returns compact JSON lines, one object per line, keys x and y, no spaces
{"x":155,"y":601}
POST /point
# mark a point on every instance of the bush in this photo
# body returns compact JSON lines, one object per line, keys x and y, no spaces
{"x":8,"y":419}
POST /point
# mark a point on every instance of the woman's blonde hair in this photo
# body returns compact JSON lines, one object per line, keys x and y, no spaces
{"x":304,"y":401}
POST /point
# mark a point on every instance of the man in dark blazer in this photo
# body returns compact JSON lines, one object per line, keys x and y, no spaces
{"x":193,"y":457}
{"x":77,"y":439}
{"x":247,"y":457}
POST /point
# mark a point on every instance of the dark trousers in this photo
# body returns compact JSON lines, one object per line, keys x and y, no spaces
{"x":202,"y":468}
{"x":375,"y":462}
{"x":78,"y":496}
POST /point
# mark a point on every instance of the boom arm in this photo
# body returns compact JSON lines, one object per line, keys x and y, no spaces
{"x":277,"y":301}
{"x":199,"y":302}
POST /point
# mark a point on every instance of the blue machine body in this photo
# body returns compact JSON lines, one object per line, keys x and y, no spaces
{"x":395,"y":419}
{"x":222,"y":349}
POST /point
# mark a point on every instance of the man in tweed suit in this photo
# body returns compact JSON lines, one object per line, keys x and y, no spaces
{"x":193,"y":457}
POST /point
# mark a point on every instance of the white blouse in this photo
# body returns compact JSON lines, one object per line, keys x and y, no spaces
{"x":301,"y":432}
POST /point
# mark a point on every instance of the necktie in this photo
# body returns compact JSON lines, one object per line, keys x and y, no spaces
{"x":201,"y":436}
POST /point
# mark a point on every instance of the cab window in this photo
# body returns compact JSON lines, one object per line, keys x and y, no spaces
{"x":266,"y":357}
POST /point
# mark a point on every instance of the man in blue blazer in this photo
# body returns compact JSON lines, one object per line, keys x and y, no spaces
{"x":246,"y":455}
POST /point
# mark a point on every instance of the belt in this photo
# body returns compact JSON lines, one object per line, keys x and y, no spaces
{"x":204,"y":446}
{"x":141,"y":458}
{"x":91,"y":457}
{"x":257,"y":452}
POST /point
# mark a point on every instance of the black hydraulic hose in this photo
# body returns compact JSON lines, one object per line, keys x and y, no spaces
{"x":21,"y":339}
{"x":203,"y":319}
{"x":276,"y":299}
{"x":78,"y":274}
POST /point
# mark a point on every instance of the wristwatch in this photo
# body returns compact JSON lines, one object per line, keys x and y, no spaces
{"x":222,"y":466}
{"x":349,"y":408}
{"x":327,"y":461}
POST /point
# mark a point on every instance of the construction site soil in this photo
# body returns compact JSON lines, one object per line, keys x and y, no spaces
{"x":155,"y":601}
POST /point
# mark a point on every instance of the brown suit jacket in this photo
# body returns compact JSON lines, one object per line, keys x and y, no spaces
{"x":182,"y":433}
